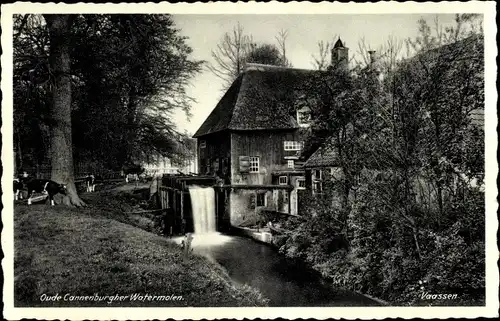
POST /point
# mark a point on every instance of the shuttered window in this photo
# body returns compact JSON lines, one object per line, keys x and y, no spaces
{"x":251,"y":202}
{"x":283,"y":180}
{"x":244,"y":164}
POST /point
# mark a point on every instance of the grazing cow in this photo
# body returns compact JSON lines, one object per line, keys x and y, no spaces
{"x":45,"y":186}
{"x":18,"y":186}
{"x":90,"y":182}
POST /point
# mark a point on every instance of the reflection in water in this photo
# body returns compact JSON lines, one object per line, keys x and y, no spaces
{"x":261,"y":267}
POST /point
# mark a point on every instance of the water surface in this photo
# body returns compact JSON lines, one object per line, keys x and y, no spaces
{"x":260,"y":266}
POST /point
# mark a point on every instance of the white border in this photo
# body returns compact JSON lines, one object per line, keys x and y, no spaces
{"x":492,"y":277}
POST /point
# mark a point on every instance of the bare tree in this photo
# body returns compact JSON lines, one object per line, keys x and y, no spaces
{"x":465,"y":25}
{"x":387,"y":55}
{"x":281,"y":39}
{"x":230,"y":55}
{"x":321,"y":61}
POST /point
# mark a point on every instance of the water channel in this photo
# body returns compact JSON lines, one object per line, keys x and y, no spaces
{"x":260,"y":265}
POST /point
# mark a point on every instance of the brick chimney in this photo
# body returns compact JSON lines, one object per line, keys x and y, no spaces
{"x":372,"y":56}
{"x":340,"y":55}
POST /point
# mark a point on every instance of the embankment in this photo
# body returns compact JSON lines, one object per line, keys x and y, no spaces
{"x":97,"y":251}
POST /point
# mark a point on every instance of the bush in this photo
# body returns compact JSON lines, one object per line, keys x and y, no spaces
{"x":376,"y":252}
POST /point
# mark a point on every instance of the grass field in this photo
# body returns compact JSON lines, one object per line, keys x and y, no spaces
{"x":100,"y":251}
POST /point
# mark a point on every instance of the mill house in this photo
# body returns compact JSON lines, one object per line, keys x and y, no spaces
{"x":253,"y":138}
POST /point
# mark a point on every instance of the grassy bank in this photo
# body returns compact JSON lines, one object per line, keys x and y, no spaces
{"x":98,"y":250}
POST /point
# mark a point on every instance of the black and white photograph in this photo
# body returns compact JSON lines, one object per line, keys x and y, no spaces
{"x":261,"y":156}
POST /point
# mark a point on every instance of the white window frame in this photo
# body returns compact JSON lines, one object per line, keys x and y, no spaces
{"x":291,"y":164}
{"x":301,"y":111}
{"x":317,"y":187}
{"x":317,"y":181}
{"x":292,"y":145}
{"x":299,"y":181}
{"x":254,"y":164}
{"x":203,"y":144}
{"x":281,"y":181}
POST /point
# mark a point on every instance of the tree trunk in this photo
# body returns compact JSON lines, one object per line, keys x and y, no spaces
{"x":61,"y":152}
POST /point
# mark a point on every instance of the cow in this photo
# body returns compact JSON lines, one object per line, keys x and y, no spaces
{"x":90,"y":183}
{"x":45,"y":186}
{"x":18,"y":186}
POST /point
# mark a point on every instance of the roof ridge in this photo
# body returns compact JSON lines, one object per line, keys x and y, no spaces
{"x":251,"y":66}
{"x":238,"y":97}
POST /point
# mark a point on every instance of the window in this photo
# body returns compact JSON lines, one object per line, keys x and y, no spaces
{"x":261,"y":199}
{"x":291,"y":163}
{"x":209,"y":169}
{"x":304,"y":117}
{"x":203,"y":143}
{"x":285,"y":198}
{"x":301,"y":183}
{"x":292,"y":145}
{"x":251,"y":202}
{"x":317,"y":187}
{"x":283,"y":180}
{"x":254,"y":164}
{"x":317,"y":184}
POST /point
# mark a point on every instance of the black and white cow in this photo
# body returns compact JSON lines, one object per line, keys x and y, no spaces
{"x":18,"y":187}
{"x":45,"y":186}
{"x":90,"y":183}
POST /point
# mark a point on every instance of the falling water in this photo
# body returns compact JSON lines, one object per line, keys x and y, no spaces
{"x":203,"y":205}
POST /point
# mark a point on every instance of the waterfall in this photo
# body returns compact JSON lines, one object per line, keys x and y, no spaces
{"x":203,"y":206}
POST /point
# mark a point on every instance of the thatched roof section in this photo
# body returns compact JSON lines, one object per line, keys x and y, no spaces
{"x":261,"y":98}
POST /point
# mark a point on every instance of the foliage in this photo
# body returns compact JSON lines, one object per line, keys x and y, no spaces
{"x":265,"y":54}
{"x":129,"y":73}
{"x":406,"y":214}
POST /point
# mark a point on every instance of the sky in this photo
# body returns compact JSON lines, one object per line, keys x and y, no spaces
{"x":204,"y":32}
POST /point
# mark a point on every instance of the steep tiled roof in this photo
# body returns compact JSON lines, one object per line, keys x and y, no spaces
{"x":338,"y":44}
{"x":260,"y":98}
{"x":323,"y":156}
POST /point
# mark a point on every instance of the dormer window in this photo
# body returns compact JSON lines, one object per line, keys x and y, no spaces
{"x":304,"y":117}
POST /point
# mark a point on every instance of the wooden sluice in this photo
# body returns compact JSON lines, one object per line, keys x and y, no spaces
{"x":174,"y":197}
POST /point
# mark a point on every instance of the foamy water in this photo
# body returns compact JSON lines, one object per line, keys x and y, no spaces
{"x":203,"y":206}
{"x":205,"y":240}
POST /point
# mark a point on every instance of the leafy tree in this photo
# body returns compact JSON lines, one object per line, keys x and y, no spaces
{"x":128,"y":73}
{"x":61,"y":146}
{"x":266,"y":54}
{"x":410,"y":204}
